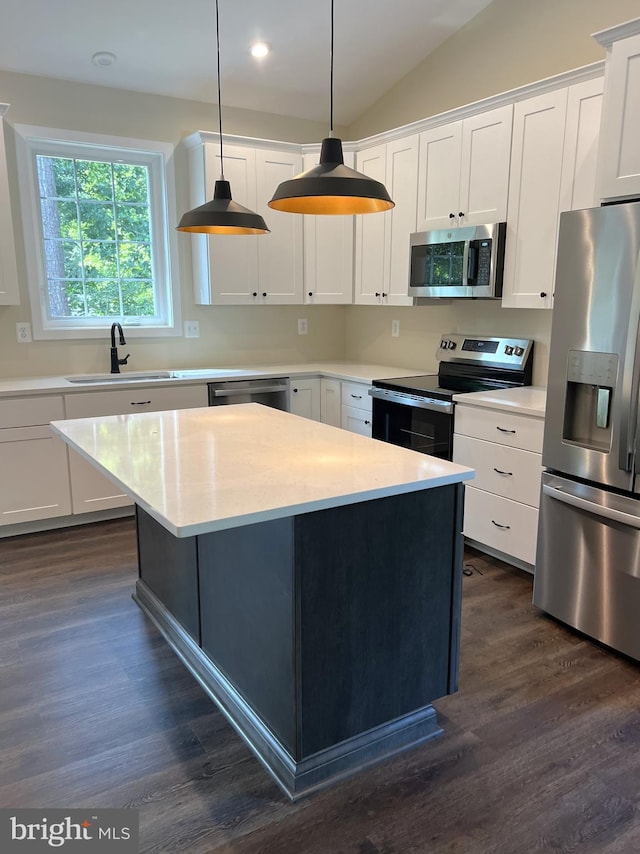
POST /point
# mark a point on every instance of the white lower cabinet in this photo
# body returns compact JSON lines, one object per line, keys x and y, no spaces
{"x":304,"y":397}
{"x":501,"y":503}
{"x":356,"y":408}
{"x":91,"y":490}
{"x":330,"y":402}
{"x":33,"y":461}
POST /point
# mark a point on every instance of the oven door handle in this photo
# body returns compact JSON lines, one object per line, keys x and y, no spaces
{"x":429,"y":403}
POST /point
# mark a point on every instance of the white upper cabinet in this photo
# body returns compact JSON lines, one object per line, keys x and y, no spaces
{"x":382,"y":239}
{"x":619,"y":158}
{"x":328,"y":252}
{"x":463,"y":176}
{"x":246,"y":269}
{"x":8,"y":269}
{"x":580,"y":157}
{"x":534,"y":200}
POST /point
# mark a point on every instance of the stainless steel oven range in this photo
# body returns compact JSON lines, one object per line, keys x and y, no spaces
{"x":417,"y":412}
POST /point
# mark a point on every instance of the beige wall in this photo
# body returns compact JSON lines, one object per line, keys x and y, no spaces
{"x":509,"y":44}
{"x":228,"y":335}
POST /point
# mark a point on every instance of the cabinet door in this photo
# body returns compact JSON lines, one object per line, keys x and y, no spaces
{"x":402,"y":184}
{"x":484,"y":172}
{"x":534,"y":200}
{"x":619,"y":159}
{"x":8,"y":269}
{"x":227,"y":272}
{"x":439,"y":177}
{"x":330,"y":403}
{"x":580,"y":159}
{"x":35,"y":475}
{"x":356,"y":420}
{"x":304,"y":398}
{"x":328,"y":252}
{"x":370,"y":278}
{"x":280,"y":267}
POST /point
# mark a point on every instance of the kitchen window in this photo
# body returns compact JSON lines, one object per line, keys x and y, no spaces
{"x":96,"y":214}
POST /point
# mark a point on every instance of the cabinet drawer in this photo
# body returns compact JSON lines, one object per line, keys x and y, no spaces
{"x":30,"y":411}
{"x":123,"y":401}
{"x":356,"y":395}
{"x":518,"y":431}
{"x":356,"y":420}
{"x":510,"y":472}
{"x":501,"y":524}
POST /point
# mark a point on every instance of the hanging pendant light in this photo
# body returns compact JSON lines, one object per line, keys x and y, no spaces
{"x":331,"y":187}
{"x":222,"y":215}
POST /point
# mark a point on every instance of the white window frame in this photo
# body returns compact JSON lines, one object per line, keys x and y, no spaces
{"x":158,"y":156}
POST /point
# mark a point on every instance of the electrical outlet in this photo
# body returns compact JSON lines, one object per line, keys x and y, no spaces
{"x":191,"y":329}
{"x":303,"y":326}
{"x":23,"y":332}
{"x":395,"y":328}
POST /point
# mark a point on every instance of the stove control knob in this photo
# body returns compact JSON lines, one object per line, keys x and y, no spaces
{"x":508,"y":350}
{"x":519,"y":351}
{"x":451,"y":345}
{"x":443,"y":344}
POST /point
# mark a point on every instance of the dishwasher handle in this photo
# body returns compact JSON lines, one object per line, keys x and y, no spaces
{"x":234,"y":392}
{"x":560,"y":494}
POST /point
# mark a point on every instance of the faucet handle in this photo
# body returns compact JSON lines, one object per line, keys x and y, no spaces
{"x":124,"y":360}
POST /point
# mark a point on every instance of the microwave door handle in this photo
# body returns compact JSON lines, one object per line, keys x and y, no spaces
{"x":465,"y":265}
{"x":630,"y":383}
{"x":472,"y":264}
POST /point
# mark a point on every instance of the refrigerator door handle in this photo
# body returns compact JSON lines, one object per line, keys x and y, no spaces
{"x":561,"y":494}
{"x":630,"y":382}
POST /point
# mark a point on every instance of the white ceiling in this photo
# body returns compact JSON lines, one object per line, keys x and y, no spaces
{"x":168,"y":47}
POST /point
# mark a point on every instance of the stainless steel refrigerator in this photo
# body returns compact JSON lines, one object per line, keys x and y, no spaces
{"x":588,"y":557}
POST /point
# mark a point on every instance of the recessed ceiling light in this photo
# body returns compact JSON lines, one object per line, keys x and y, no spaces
{"x":260,"y":49}
{"x":103,"y":58}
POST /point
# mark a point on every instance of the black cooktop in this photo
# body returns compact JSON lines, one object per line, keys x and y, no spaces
{"x":440,"y":387}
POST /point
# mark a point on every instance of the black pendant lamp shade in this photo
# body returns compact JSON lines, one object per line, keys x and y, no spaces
{"x":331,"y":187}
{"x":222,"y":215}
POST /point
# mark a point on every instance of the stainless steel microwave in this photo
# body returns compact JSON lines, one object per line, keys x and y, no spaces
{"x":457,"y":262}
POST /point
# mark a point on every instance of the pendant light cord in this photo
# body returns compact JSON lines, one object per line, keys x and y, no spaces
{"x":219,"y":98}
{"x":331,"y":84}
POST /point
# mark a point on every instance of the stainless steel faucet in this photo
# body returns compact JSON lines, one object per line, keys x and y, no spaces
{"x":115,"y":361}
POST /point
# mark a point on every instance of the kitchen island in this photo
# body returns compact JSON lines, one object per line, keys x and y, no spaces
{"x":308,"y":577}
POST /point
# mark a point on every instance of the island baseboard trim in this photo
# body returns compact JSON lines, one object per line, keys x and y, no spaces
{"x":296,"y":779}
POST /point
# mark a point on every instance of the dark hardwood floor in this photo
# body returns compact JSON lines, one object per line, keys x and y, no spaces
{"x":541,"y":751}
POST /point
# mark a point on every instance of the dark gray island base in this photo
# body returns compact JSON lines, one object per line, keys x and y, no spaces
{"x":324,"y":637}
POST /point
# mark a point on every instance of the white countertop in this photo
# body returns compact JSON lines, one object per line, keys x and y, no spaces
{"x":355,"y":371}
{"x":200,"y":470}
{"x":525,"y":400}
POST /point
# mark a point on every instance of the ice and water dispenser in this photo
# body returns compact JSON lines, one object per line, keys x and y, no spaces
{"x":591,"y":385}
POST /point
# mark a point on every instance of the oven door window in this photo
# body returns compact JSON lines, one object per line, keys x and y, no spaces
{"x":422,"y":430}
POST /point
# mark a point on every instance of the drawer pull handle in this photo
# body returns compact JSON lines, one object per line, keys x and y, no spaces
{"x":506,"y":473}
{"x":357,"y":396}
{"x":498,"y":525}
{"x":504,"y":430}
{"x":140,"y":402}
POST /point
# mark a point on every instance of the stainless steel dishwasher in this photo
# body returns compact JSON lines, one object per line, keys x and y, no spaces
{"x":272,"y":392}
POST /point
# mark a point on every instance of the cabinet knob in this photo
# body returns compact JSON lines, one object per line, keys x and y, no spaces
{"x":384,"y":295}
{"x":295,"y":390}
{"x":264,"y":293}
{"x":255,"y":294}
{"x":378,"y":294}
{"x":310,"y":293}
{"x":367,"y":422}
{"x":461,"y":213}
{"x":543,"y":294}
{"x":452,"y":216}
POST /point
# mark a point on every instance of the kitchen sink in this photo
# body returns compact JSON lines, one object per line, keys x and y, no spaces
{"x":121,"y":378}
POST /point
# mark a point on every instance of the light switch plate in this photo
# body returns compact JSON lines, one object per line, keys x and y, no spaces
{"x":303,"y":326}
{"x":191,"y":329}
{"x":395,"y":328}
